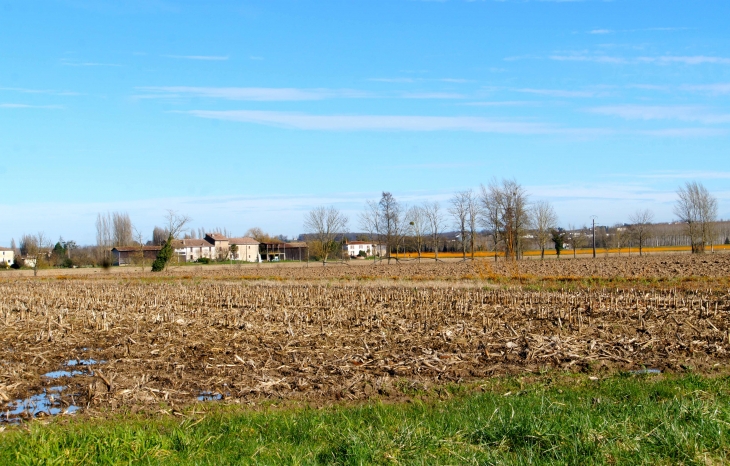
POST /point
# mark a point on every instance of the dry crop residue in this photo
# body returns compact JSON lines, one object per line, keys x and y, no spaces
{"x":177,"y":341}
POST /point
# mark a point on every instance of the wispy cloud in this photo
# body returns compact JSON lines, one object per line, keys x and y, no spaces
{"x":39,"y":91}
{"x":67,"y":62}
{"x":305,"y":121}
{"x":686,"y":60}
{"x":249,"y":93}
{"x":719,"y":88}
{"x":684,"y":132}
{"x":432,"y":95}
{"x":662,"y":112}
{"x":561,"y":92}
{"x":406,"y":80}
{"x":658,"y":60}
{"x":9,"y":105}
{"x":199,"y":57}
{"x":506,"y":103}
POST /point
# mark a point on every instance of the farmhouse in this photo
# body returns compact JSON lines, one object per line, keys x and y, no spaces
{"x":353,"y":248}
{"x":190,"y":250}
{"x":7,"y":256}
{"x":215,"y":246}
{"x":125,"y":255}
{"x":247,"y":249}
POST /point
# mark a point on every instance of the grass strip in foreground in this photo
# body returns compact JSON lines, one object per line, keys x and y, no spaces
{"x":623,"y":419}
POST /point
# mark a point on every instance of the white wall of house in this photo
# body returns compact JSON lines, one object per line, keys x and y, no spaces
{"x":246,"y":252}
{"x":371,"y":249}
{"x":7,"y":256}
{"x":193,"y":253}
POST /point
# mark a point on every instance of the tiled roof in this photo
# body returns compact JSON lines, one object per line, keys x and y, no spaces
{"x":242,"y":241}
{"x":5,"y":249}
{"x":296,"y":244}
{"x":217,"y":237}
{"x":192,"y":243}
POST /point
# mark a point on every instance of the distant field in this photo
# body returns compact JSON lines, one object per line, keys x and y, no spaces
{"x":568,"y":253}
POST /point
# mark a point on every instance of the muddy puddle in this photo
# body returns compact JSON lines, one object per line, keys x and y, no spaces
{"x":50,"y":401}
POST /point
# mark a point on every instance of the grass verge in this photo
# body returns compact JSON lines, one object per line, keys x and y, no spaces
{"x":622,"y":419}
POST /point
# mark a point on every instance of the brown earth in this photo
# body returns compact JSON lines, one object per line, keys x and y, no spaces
{"x":345,"y":333}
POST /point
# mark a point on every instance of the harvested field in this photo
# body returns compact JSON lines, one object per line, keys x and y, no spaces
{"x":130,"y":344}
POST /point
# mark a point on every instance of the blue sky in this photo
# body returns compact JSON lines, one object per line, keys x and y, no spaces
{"x":249,"y":113}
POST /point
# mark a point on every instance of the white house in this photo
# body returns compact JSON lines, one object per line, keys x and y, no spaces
{"x":215,"y":246}
{"x":353,"y":248}
{"x":7,"y":256}
{"x":247,"y":249}
{"x":190,"y":250}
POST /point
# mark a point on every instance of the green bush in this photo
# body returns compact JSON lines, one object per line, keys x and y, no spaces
{"x":203,"y":260}
{"x":362,"y":254}
{"x":163,"y":257}
{"x":67,"y":263}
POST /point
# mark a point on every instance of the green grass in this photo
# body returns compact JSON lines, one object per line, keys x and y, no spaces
{"x":623,"y":419}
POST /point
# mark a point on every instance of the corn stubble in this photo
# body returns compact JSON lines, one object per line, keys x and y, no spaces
{"x":167,"y":342}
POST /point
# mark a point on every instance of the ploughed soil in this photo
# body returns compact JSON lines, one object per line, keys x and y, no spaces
{"x":322,"y":334}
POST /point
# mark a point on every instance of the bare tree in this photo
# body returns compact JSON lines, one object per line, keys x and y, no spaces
{"x":544,"y":221}
{"x":577,"y":238}
{"x":435,"y":221}
{"x":104,"y":235}
{"x":506,"y":214}
{"x":384,"y":221}
{"x":619,"y":237}
{"x":121,"y":229}
{"x":174,"y":223}
{"x":641,"y":227}
{"x":697,"y":208}
{"x":35,"y":249}
{"x":258,"y":234}
{"x":473,"y":217}
{"x":325,"y":223}
{"x":459,"y":211}
{"x":417,"y":226}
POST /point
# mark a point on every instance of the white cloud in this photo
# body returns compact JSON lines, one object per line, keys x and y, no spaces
{"x":658,"y":112}
{"x":601,"y":31}
{"x":303,"y":121}
{"x":199,"y":57}
{"x":250,"y":93}
{"x":506,"y":103}
{"x":687,"y":60}
{"x":589,"y":58}
{"x":684,"y":132}
{"x":432,"y":95}
{"x":720,"y":88}
{"x":29,"y":106}
{"x":38,"y":91}
{"x":559,"y":92}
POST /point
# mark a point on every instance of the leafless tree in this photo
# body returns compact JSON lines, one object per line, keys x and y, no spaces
{"x":37,"y":248}
{"x":258,"y":234}
{"x":435,"y":222}
{"x":325,"y":224}
{"x":506,"y":213}
{"x":576,"y":238}
{"x":459,"y":210}
{"x":619,"y":237}
{"x":473,"y":218}
{"x":121,"y":229}
{"x":104,"y":235}
{"x":544,"y":220}
{"x":384,"y":221}
{"x":697,"y":208}
{"x":417,"y":226}
{"x":641,"y":227}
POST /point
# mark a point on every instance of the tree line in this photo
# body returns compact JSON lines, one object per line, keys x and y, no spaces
{"x":500,"y":217}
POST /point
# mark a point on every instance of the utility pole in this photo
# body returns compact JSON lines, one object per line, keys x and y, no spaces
{"x":594,"y":238}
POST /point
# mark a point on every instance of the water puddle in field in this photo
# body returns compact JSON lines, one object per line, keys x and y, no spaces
{"x":50,"y":401}
{"x":210,"y":396}
{"x":47,"y":403}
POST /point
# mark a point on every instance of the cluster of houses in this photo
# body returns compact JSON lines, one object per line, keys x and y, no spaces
{"x":218,"y":247}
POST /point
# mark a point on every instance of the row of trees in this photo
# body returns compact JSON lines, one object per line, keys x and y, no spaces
{"x":502,"y":211}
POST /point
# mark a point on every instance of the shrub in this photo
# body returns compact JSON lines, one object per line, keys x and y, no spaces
{"x":18,"y":263}
{"x":163,"y":257}
{"x":362,"y":254}
{"x":203,"y":260}
{"x":67,"y":263}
